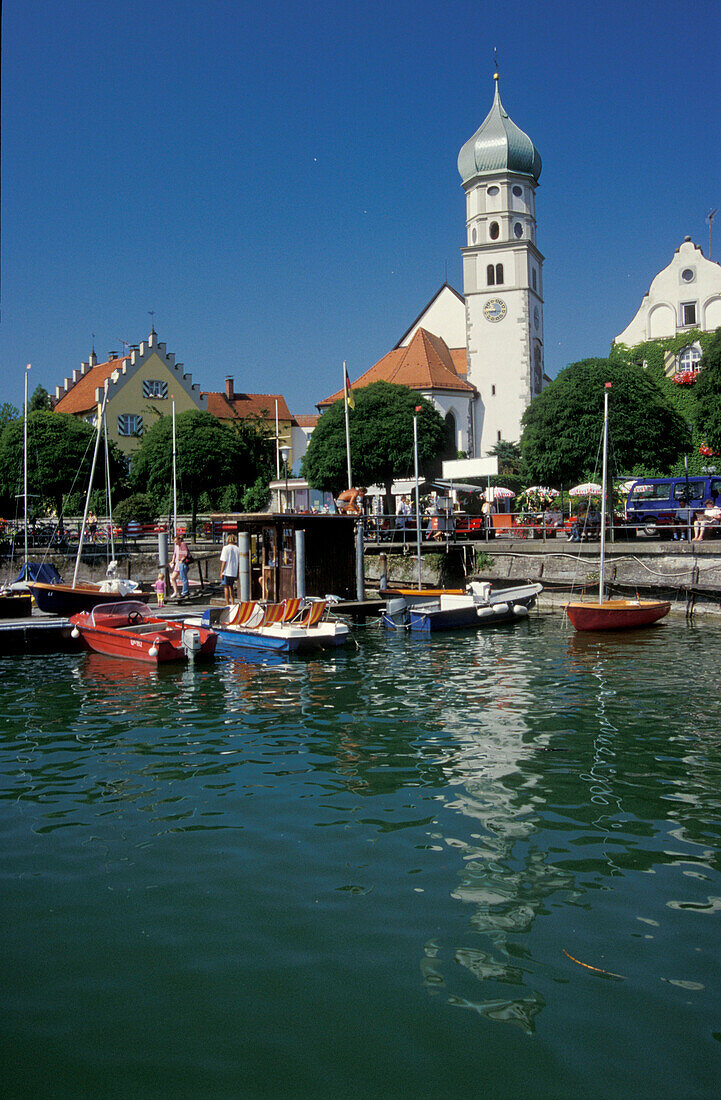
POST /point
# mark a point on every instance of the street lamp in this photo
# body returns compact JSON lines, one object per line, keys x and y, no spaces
{"x":285,"y":455}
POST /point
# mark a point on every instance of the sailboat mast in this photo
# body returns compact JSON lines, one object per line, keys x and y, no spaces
{"x":25,"y":473}
{"x":418,"y":503}
{"x":175,"y":483}
{"x":101,"y":416}
{"x":107,"y":491}
{"x":604,"y":485}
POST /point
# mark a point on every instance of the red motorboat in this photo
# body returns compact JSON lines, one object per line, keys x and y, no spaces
{"x":130,"y":630}
{"x":616,"y":614}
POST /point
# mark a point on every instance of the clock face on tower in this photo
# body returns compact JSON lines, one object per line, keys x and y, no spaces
{"x":495,"y":309}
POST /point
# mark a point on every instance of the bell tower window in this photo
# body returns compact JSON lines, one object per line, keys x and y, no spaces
{"x":494,"y":231}
{"x":490,"y":275}
{"x":499,"y":274}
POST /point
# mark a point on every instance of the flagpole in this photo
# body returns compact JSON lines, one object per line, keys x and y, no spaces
{"x":418,"y":507}
{"x":25,"y":471}
{"x":347,"y":425}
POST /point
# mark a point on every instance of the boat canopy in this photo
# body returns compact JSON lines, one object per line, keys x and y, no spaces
{"x":106,"y":613}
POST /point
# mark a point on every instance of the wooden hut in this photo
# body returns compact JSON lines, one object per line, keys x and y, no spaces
{"x":329,"y":553}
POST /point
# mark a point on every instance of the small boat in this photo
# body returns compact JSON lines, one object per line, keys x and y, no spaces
{"x":68,"y":599}
{"x":478,"y":606}
{"x":293,"y":626}
{"x":618,"y":614}
{"x":129,"y":629}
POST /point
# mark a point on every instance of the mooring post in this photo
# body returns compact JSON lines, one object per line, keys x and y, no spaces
{"x":244,"y":566}
{"x":383,"y":579}
{"x":360,"y":589}
{"x":163,"y":556}
{"x":300,"y":563}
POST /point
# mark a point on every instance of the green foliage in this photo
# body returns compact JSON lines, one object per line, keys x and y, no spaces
{"x":140,"y":507}
{"x":509,"y":457}
{"x":60,"y":450}
{"x":40,"y":400}
{"x":562,"y":426}
{"x":213,"y":458}
{"x":381,"y":439}
{"x":707,"y":412}
{"x":8,"y":412}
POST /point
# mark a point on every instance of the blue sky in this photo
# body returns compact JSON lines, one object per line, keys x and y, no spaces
{"x":278,"y":181}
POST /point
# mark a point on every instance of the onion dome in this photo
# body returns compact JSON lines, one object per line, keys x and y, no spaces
{"x":499,"y":146}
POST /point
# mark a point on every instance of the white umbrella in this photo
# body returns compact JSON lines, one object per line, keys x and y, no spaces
{"x":543,"y":491}
{"x":588,"y":489}
{"x":496,"y":492}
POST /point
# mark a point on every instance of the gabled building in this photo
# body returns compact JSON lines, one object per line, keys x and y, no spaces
{"x":271,"y":410}
{"x":684,"y":298}
{"x":141,"y":385}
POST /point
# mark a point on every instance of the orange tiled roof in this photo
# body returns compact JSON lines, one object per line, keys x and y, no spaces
{"x":80,"y":398}
{"x":426,"y":364}
{"x":304,"y":420}
{"x":242,"y":405}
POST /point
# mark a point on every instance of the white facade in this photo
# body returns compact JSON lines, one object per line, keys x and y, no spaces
{"x":444,"y":316}
{"x":502,"y":277}
{"x":685,"y":296}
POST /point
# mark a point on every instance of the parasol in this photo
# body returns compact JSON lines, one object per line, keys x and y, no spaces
{"x":497,"y":492}
{"x":588,"y":489}
{"x":543,"y":491}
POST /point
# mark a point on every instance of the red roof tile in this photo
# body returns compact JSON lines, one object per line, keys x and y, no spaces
{"x":426,"y":364}
{"x":80,"y":398}
{"x":242,"y":405}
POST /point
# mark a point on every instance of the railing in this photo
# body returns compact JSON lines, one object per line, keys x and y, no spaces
{"x":461,"y":527}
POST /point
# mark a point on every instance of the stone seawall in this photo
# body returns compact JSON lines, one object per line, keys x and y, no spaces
{"x":688,"y":574}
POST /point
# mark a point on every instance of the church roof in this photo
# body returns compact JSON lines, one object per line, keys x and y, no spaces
{"x":427,"y":363}
{"x":499,"y":146}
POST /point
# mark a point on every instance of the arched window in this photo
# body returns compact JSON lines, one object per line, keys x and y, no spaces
{"x":494,"y":230}
{"x":499,"y":273}
{"x":490,"y":275}
{"x":689,"y":359}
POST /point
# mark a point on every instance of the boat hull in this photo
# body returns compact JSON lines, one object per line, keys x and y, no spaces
{"x":616,"y":614}
{"x":479,"y":607}
{"x":279,"y":638}
{"x":154,"y":641}
{"x":68,"y":599}
{"x":429,"y":620}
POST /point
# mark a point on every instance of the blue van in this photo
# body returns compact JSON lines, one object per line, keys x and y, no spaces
{"x":653,"y":502}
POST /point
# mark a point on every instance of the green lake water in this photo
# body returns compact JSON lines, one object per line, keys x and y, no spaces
{"x":478,"y":865}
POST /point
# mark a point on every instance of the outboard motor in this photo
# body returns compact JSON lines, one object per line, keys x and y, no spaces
{"x":191,"y":641}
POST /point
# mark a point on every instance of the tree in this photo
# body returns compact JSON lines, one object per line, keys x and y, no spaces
{"x":381,"y":439}
{"x":8,"y":412}
{"x":60,"y":451}
{"x":562,"y":426}
{"x":211,"y":455}
{"x":508,"y":455}
{"x":40,"y":400}
{"x":707,"y":392}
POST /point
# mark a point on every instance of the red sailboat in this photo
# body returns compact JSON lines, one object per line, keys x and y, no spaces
{"x":620,"y":614}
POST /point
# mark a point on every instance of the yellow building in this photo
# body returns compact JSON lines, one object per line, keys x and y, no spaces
{"x":141,"y":385}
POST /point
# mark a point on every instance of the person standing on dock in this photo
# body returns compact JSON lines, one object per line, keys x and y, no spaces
{"x":229,"y":560}
{"x":179,"y":567}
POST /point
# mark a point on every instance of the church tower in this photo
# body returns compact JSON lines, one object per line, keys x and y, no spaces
{"x":502,"y":275}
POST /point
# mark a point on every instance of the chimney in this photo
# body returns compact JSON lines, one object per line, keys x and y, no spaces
{"x":112,"y":355}
{"x":229,"y":393}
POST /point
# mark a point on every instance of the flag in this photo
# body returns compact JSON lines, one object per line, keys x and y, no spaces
{"x":348,"y":391}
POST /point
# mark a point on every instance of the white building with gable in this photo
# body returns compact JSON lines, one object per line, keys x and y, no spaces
{"x":686,"y":295}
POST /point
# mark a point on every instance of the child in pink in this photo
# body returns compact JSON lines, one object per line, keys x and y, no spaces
{"x":159,"y":587}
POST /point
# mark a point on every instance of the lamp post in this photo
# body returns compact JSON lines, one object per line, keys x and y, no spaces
{"x":285,"y":454}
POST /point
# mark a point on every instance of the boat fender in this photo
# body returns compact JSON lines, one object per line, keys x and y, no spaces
{"x":153,"y":651}
{"x":484,"y":612}
{"x":520,"y":609}
{"x":75,"y":633}
{"x":500,"y":608}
